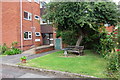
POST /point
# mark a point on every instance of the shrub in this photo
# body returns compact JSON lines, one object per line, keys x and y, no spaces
{"x":14,"y":44}
{"x":12,"y":51}
{"x":113,"y":66}
{"x":23,"y":57}
{"x":3,"y":48}
{"x":68,"y":37}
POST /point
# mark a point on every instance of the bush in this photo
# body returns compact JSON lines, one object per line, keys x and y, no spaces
{"x":69,"y":37}
{"x":14,"y":44}
{"x":10,"y":51}
{"x":113,"y":66}
{"x":23,"y":57}
{"x":3,"y":48}
{"x":13,"y":51}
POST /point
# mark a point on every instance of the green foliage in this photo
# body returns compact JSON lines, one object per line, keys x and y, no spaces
{"x":12,"y":51}
{"x":106,"y":12}
{"x":23,"y":57}
{"x":110,"y":50}
{"x":58,"y":34}
{"x":68,"y":37}
{"x":92,"y":41}
{"x":14,"y":44}
{"x":119,"y":35}
{"x":84,"y":17}
{"x":113,"y":65}
{"x":3,"y":48}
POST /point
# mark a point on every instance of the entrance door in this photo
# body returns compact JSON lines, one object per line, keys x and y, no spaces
{"x":58,"y":43}
{"x":45,"y":39}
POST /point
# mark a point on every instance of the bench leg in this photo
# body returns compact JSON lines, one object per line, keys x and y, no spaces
{"x":65,"y":53}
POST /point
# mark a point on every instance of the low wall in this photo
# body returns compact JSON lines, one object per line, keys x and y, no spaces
{"x":45,"y":49}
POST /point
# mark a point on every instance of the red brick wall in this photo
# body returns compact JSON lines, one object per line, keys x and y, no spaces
{"x":110,"y":28}
{"x":33,"y":8}
{"x":0,"y":23}
{"x":36,"y":23}
{"x":11,"y":23}
{"x":44,"y":50}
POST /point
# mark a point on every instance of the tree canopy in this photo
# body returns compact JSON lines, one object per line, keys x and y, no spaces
{"x":81,"y":17}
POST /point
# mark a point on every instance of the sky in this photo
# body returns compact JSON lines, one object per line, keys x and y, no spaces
{"x":116,"y":1}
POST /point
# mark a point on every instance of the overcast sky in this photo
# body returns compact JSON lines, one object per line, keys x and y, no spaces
{"x":113,"y":0}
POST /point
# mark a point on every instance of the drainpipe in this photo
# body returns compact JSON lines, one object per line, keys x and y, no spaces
{"x":21,"y":41}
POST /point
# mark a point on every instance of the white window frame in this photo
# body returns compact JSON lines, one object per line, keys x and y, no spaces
{"x":37,"y":1}
{"x":29,"y":15}
{"x":29,"y":33}
{"x":29,"y":0}
{"x":37,"y":18}
{"x":107,"y":25}
{"x":41,"y":21}
{"x":38,"y":33}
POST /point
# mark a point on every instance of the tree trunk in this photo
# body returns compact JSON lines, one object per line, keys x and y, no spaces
{"x":79,"y":39}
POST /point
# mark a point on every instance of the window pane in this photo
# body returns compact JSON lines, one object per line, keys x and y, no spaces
{"x":36,"y":1}
{"x":30,"y":16}
{"x":51,"y":35}
{"x":37,"y":33}
{"x":26,"y":15}
{"x":36,"y":17}
{"x":51,"y":41}
{"x":26,"y":35}
{"x":29,"y":32}
{"x":30,"y":36}
{"x":29,"y":0}
{"x":43,"y":20}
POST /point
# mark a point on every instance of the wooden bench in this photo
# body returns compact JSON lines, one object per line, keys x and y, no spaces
{"x":75,"y":49}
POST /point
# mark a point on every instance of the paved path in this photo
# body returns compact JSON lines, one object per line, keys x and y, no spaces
{"x":14,"y":59}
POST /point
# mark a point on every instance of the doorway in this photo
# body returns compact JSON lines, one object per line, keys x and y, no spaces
{"x":47,"y":38}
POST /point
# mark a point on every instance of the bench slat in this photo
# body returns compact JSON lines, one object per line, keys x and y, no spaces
{"x":76,"y":49}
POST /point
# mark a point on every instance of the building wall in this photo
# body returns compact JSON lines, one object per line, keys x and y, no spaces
{"x":0,"y":23}
{"x":110,"y":28}
{"x":33,"y":8}
{"x":11,"y":23}
{"x":36,"y":23}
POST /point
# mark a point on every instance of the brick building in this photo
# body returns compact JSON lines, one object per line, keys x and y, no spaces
{"x":47,"y":31}
{"x":20,"y":23}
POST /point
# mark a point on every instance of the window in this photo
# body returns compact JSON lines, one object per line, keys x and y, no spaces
{"x":51,"y":35}
{"x":43,"y":4}
{"x":107,"y":25}
{"x":43,"y":21}
{"x":37,"y":33}
{"x":37,"y":17}
{"x":27,"y":35}
{"x":27,"y":15}
{"x":48,"y":21}
{"x":37,"y":1}
{"x":29,"y":0}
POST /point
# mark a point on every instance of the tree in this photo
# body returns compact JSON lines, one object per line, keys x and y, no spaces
{"x":81,"y":17}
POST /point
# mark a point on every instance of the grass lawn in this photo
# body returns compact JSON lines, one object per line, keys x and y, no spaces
{"x":88,"y":64}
